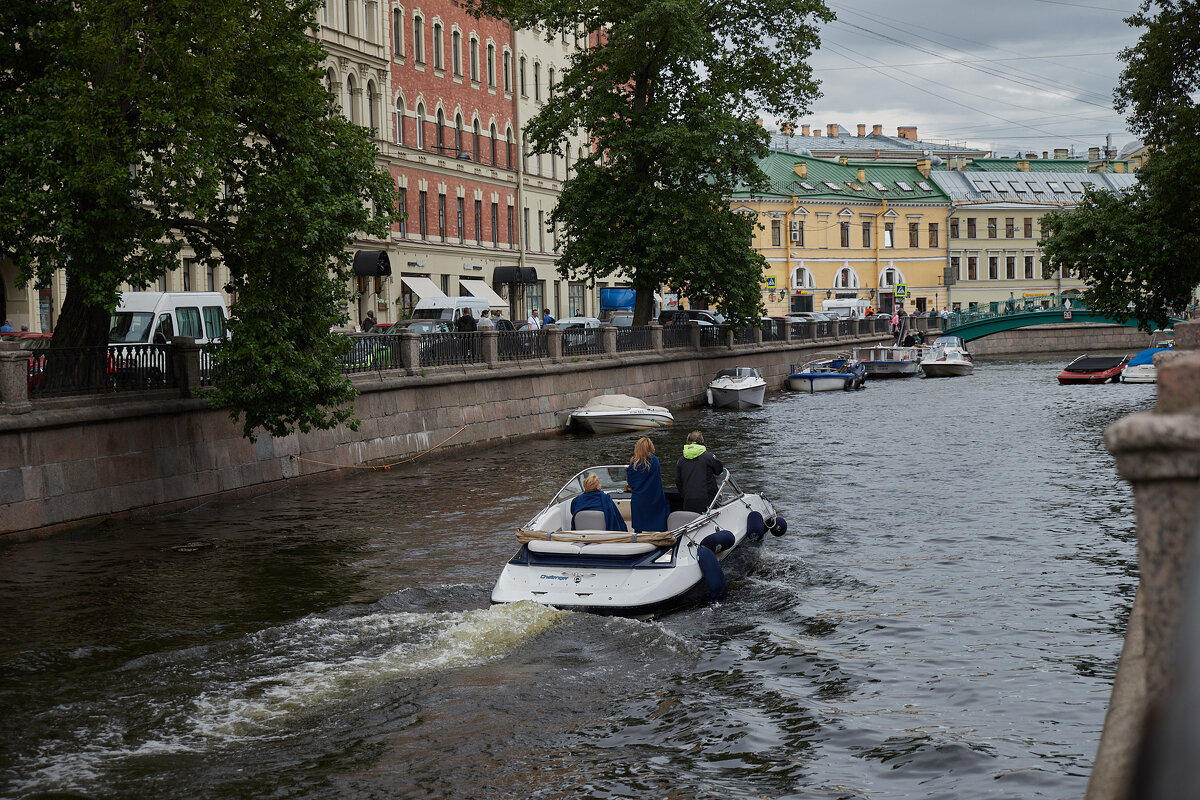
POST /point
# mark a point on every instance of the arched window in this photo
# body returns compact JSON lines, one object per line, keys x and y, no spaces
{"x":419,"y":39}
{"x":890,"y":277}
{"x":846,"y":279}
{"x":550,"y":85}
{"x":349,"y":16}
{"x":372,"y":109}
{"x":437,"y":46}
{"x":329,"y":80}
{"x":525,"y":152}
{"x":420,"y":126}
{"x":506,"y":68}
{"x":493,"y":136}
{"x":537,"y":81}
{"x":475,"y":141}
{"x":351,"y":104}
{"x":491,"y":65}
{"x":456,"y":52}
{"x":440,"y":133}
{"x":802,"y":278}
{"x":521,"y":76}
{"x":399,"y":131}
{"x":458,"y":148}
{"x":508,"y":146}
{"x":474,"y":59}
{"x":397,"y":33}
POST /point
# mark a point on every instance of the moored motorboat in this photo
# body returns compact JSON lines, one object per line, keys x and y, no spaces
{"x":1093,"y":369}
{"x":889,"y":361}
{"x":947,"y":358}
{"x":570,"y":561}
{"x":615,"y":413}
{"x":739,"y":387}
{"x":826,"y":373}
{"x":1141,"y":368}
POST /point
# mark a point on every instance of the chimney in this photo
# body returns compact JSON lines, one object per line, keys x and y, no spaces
{"x":801,"y":170}
{"x":1093,"y":153}
{"x":862,"y":175}
{"x":862,"y":130}
{"x":843,"y":160}
{"x":786,"y":130}
{"x":816,"y":131}
{"x":1060,"y":152}
{"x":832,"y":129}
{"x":804,"y":130}
{"x":923,"y":165}
{"x":907,"y":132}
{"x":877,"y":130}
{"x":1022,"y":166}
{"x":1045,"y":154}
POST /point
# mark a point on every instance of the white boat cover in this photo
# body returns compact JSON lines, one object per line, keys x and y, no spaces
{"x":613,"y":402}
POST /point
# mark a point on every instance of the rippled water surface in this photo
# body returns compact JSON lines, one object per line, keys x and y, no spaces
{"x":943,"y":619}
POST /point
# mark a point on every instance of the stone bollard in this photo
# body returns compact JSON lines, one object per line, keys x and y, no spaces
{"x":608,"y":339}
{"x":694,"y":329}
{"x":410,"y":352}
{"x":756,"y":334}
{"x":185,"y":355}
{"x":656,"y":337}
{"x":787,"y":331}
{"x":1158,"y":452}
{"x":14,"y":379}
{"x":554,"y":343}
{"x":491,"y":347}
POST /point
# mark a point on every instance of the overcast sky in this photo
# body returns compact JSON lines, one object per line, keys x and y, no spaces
{"x":1003,"y":75}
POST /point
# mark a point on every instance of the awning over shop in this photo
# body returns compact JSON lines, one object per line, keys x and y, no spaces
{"x":514,"y":275}
{"x":422,"y":287}
{"x":483,"y":292}
{"x":372,"y":263}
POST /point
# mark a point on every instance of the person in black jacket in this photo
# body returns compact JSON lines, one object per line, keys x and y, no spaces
{"x":696,"y":474}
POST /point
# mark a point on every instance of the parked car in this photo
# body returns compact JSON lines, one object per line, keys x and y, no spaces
{"x":580,"y":334}
{"x":701,"y":315}
{"x":622,"y":320}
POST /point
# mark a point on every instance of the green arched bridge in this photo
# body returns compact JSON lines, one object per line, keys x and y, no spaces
{"x":992,"y":318}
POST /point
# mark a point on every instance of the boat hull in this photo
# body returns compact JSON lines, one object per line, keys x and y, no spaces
{"x":1143,"y":373}
{"x":946,"y":369}
{"x":621,"y":422}
{"x":811,"y":383}
{"x":738,"y":397}
{"x":891,"y":369}
{"x":1106,"y":376}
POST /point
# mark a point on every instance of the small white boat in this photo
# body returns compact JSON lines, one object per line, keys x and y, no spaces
{"x":569,"y":561}
{"x":616,"y":413}
{"x":1140,"y":368}
{"x":890,"y":361}
{"x":947,"y":358}
{"x":740,"y":387}
{"x":828,"y":373}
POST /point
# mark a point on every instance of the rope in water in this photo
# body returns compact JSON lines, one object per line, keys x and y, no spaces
{"x":381,"y":466}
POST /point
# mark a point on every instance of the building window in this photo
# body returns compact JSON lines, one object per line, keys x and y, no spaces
{"x":521,"y":76}
{"x":397,"y":34}
{"x":800,"y":230}
{"x":474,"y":59}
{"x":845,"y":226}
{"x":1029,"y":227}
{"x":993,"y":268}
{"x":477,"y":135}
{"x":495,"y":224}
{"x":187,"y":274}
{"x":955,"y":267}
{"x":776,"y":233}
{"x":442,"y":215}
{"x":550,"y":83}
{"x":1010,"y":268}
{"x":889,"y":234}
{"x":210,"y":277}
{"x":866,"y":232}
{"x":456,"y":53}
{"x":537,"y":81}
{"x":525,"y":226}
{"x":491,"y":65}
{"x":972,"y":268}
{"x":914,"y":234}
{"x":478,"y":222}
{"x":933,"y":234}
{"x":507,"y":70}
{"x":422,"y":214}
{"x":970,"y":227}
{"x":1010,"y":227}
{"x":953,"y":229}
{"x":508,"y":149}
{"x":458,"y":131}
{"x":419,"y":40}
{"x":1029,"y":267}
{"x":541,"y":231}
{"x":437,"y":46}
{"x":512,"y":213}
{"x":402,"y":203}
{"x":575,"y":299}
{"x":993,"y":227}
{"x":492,"y":143}
{"x":462,"y":221}
{"x":439,"y":134}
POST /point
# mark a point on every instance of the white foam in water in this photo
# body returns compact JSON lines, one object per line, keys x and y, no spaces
{"x":308,"y":664}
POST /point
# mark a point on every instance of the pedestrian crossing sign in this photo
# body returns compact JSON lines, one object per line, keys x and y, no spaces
{"x":901,"y":290}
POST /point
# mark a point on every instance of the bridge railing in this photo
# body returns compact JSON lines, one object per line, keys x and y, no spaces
{"x":1047,"y":303}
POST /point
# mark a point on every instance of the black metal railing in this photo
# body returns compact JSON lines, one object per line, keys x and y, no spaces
{"x":372,"y":353}
{"x":437,"y":349}
{"x":522,"y":345}
{"x":677,"y":336}
{"x":712,"y":335}
{"x":582,"y":342}
{"x":66,"y":371}
{"x":632,"y":339}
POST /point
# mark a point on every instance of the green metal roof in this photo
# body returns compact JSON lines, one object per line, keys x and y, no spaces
{"x":832,"y":181}
{"x":1036,"y":165}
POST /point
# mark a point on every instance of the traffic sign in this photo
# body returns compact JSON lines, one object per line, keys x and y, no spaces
{"x":901,"y":290}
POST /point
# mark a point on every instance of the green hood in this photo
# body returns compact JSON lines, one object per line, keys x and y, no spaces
{"x":693,"y":450}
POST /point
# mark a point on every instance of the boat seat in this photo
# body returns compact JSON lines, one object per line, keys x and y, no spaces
{"x":589,"y":520}
{"x":678,"y":519}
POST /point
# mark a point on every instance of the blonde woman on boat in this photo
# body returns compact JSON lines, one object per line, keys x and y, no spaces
{"x":595,"y":498}
{"x":648,"y":505}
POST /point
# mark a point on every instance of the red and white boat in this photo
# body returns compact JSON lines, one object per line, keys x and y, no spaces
{"x":1093,"y":369}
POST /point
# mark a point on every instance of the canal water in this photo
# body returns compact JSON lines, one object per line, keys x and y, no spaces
{"x":942,"y":620}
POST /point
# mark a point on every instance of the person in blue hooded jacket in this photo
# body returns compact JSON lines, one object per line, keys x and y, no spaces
{"x":696,"y":474}
{"x":648,"y":506}
{"x":595,"y":498}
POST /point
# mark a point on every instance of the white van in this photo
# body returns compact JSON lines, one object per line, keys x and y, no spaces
{"x":450,"y":308}
{"x":158,"y":317}
{"x":846,"y":308}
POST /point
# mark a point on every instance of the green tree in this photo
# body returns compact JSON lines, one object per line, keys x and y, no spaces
{"x":669,"y":92}
{"x":131,"y":129}
{"x":1140,"y":247}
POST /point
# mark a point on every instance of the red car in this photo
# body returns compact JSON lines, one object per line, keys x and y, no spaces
{"x":37,"y":363}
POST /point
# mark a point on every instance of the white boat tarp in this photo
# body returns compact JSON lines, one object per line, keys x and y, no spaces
{"x":613,"y":402}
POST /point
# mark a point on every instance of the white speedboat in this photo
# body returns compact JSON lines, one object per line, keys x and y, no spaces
{"x":570,"y":561}
{"x":947,"y":358}
{"x":740,"y":387}
{"x":828,"y":373}
{"x":615,"y":413}
{"x":890,"y":361}
{"x":1140,"y":368}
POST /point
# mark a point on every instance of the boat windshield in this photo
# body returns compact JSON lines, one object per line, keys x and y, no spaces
{"x":612,"y":479}
{"x":739,"y":372}
{"x":727,"y":492}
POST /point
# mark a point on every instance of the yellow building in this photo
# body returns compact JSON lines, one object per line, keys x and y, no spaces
{"x":849,"y":230}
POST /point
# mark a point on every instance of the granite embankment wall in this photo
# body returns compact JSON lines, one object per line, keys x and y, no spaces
{"x":1061,"y":338}
{"x":70,"y":461}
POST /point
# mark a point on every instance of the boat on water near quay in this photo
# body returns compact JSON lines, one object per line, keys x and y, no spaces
{"x":616,"y":413}
{"x":573,"y":561}
{"x":889,"y":361}
{"x":947,"y":358}
{"x":827,"y":373}
{"x":739,"y":387}
{"x":1093,"y":369}
{"x":1141,"y":368}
